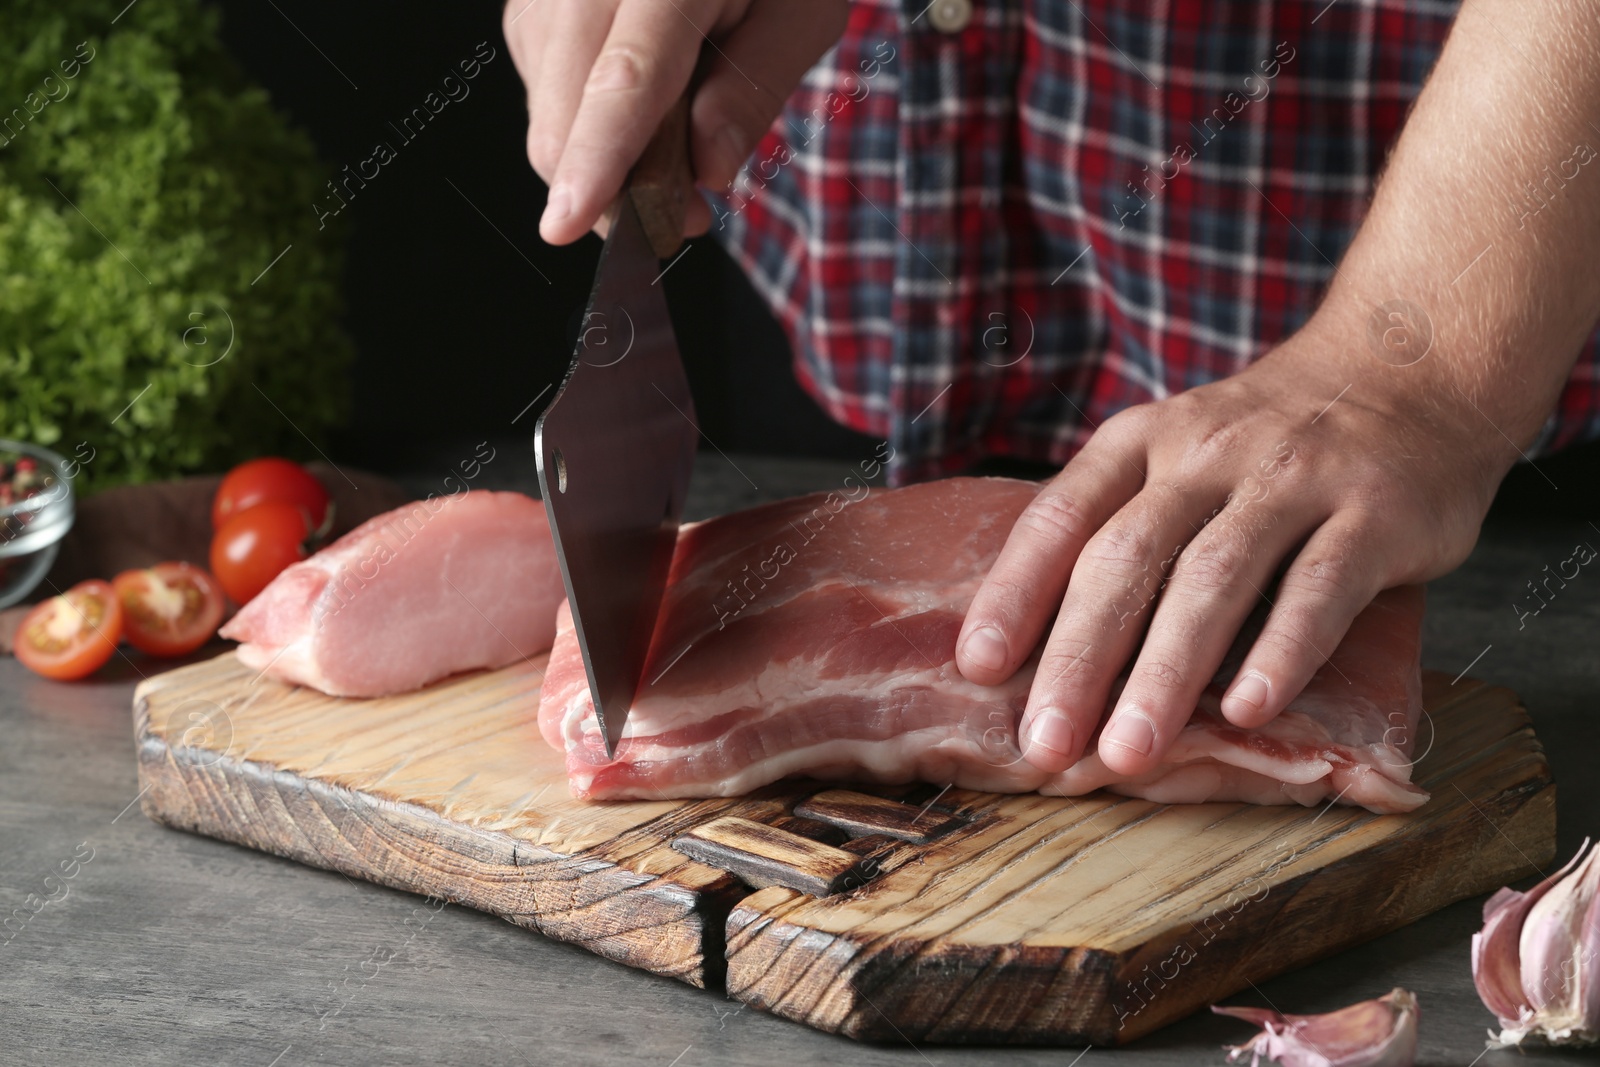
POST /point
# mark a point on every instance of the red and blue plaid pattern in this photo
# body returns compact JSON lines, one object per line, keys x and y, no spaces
{"x":985,"y":242}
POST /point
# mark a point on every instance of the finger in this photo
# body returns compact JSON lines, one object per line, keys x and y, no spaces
{"x":750,"y":75}
{"x":575,"y":33}
{"x":1109,"y":601}
{"x":1022,"y":591}
{"x":521,"y":39}
{"x":1334,"y":576}
{"x":1214,"y":584}
{"x":640,"y":71}
{"x":696,"y":215}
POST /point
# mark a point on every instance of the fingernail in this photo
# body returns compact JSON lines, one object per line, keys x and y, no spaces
{"x":1050,"y":729}
{"x":558,"y":206}
{"x":1133,"y":730}
{"x":734,"y":146}
{"x":985,"y":648}
{"x":1247,"y":695}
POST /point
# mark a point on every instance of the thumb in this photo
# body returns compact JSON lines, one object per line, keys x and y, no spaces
{"x":731,"y":109}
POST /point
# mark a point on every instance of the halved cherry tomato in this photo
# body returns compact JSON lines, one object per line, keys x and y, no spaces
{"x":269,"y":480}
{"x":255,"y":545}
{"x":169,"y":609}
{"x":69,"y":636}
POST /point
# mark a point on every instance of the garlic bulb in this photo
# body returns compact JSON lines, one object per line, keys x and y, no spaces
{"x":1373,"y":1033}
{"x":1536,"y":962}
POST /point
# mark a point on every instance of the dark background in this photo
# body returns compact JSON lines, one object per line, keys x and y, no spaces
{"x":461,"y":319}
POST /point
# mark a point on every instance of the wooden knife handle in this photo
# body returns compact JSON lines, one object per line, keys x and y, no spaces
{"x":662,"y":178}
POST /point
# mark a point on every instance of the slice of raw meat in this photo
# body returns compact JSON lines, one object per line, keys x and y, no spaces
{"x":432,"y":588}
{"x":816,"y":637}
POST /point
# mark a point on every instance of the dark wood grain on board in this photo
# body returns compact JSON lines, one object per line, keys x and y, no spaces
{"x":762,"y":855}
{"x":863,"y":814}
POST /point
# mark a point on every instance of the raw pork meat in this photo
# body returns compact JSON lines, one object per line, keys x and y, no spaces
{"x":432,"y":588}
{"x":816,"y":637}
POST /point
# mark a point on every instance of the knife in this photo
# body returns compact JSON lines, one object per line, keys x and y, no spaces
{"x":616,"y":446}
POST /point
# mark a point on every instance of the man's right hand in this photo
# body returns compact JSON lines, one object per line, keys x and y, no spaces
{"x":601,"y":73}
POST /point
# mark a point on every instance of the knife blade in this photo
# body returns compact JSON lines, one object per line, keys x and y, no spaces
{"x":615,"y":448}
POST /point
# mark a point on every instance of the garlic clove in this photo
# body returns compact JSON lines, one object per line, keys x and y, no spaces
{"x":1536,"y":962}
{"x":1558,"y":946}
{"x":1373,"y":1033}
{"x":1496,"y":950}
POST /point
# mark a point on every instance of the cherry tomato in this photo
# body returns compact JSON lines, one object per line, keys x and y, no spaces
{"x":266,"y":480}
{"x":69,"y":636}
{"x":169,"y":609}
{"x":254,"y":546}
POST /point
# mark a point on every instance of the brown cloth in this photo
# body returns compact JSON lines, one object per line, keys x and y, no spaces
{"x":141,"y":525}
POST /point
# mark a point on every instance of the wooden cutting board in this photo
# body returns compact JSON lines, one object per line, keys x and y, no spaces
{"x":904,"y":913}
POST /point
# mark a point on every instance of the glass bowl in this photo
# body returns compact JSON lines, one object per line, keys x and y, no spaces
{"x":36,"y":511}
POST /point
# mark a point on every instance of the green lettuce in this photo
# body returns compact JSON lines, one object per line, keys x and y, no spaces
{"x":144,"y":188}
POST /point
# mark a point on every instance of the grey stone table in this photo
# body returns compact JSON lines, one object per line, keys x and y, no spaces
{"x":173,"y":949}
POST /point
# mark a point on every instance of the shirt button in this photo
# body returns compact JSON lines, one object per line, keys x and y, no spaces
{"x":950,"y":16}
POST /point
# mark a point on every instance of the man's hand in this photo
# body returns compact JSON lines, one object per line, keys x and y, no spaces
{"x":600,"y":75}
{"x":1345,"y":465}
{"x":1179,"y":515}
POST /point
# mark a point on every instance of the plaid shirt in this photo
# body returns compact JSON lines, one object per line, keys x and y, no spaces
{"x":987,"y":225}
